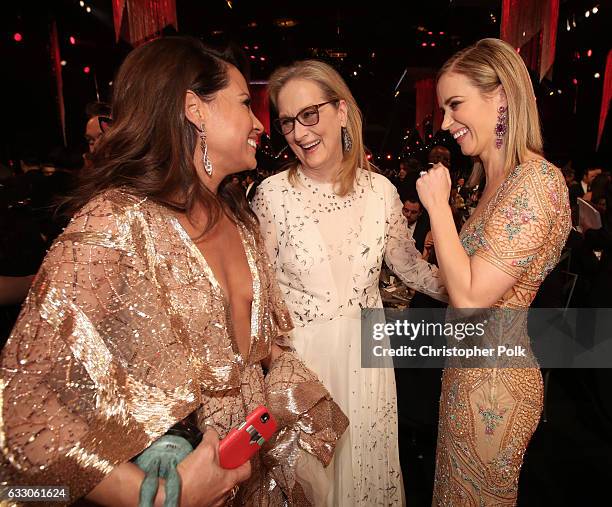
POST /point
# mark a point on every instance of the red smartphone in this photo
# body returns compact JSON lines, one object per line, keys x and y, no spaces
{"x":241,"y":443}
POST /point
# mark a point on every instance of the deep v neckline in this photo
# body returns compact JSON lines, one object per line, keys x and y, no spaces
{"x":255,"y":302}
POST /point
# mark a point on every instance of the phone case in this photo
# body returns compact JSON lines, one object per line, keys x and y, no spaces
{"x":242,"y":442}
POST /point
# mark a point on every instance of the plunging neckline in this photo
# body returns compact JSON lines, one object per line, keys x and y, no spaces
{"x":222,"y":291}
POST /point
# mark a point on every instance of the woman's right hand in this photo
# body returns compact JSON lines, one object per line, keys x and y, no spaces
{"x":204,"y":482}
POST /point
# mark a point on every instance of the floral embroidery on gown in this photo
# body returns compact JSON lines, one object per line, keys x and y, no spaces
{"x":488,"y":415}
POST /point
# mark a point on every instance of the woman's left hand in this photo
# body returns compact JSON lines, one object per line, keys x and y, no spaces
{"x":434,"y":187}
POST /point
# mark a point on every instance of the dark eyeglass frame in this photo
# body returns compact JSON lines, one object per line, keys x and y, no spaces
{"x":279,"y":127}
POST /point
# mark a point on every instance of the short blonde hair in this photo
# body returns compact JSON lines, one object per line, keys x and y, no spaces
{"x":334,"y":88}
{"x":489,"y":63}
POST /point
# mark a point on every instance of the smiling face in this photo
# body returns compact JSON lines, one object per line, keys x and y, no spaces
{"x":232,"y":130}
{"x":318,"y":147}
{"x":469,"y":115}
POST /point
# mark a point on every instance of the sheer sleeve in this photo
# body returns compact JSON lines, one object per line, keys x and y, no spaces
{"x":75,"y":393}
{"x":402,"y":257}
{"x":526,"y":230}
{"x":262,"y":206}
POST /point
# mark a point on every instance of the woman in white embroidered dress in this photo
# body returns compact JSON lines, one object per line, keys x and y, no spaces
{"x":329,"y":222}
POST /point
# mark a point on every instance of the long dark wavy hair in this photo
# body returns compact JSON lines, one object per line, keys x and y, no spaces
{"x":149,"y":149}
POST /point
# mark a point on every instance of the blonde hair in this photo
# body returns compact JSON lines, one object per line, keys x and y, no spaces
{"x":334,"y":88}
{"x":489,"y":63}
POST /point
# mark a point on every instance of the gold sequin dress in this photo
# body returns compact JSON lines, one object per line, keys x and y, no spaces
{"x":125,"y":332}
{"x":488,"y":415}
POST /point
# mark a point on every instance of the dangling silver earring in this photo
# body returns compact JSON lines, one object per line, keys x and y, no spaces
{"x":208,"y":167}
{"x":347,"y":142}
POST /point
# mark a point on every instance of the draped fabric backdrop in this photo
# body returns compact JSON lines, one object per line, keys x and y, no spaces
{"x":145,"y":19}
{"x":605,"y":97}
{"x":531,"y":27}
{"x":57,"y":70}
{"x":260,"y":103}
{"x":427,"y":105}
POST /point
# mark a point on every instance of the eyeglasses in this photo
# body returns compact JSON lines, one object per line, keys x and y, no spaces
{"x":308,"y":117}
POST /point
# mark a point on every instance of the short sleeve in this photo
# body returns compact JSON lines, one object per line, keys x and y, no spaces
{"x":528,"y":225}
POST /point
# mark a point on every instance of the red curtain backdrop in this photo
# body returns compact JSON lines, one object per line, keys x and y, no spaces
{"x":57,"y":70}
{"x":529,"y":25}
{"x":605,"y":97}
{"x":144,"y":20}
{"x":427,"y":105}
{"x":260,"y":103}
{"x":549,"y":37}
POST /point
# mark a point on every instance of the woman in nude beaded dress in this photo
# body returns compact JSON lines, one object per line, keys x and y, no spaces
{"x":505,"y":250}
{"x":140,"y":314}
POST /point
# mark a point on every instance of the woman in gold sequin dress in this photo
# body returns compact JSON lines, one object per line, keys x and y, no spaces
{"x":158,"y":301}
{"x":505,"y":250}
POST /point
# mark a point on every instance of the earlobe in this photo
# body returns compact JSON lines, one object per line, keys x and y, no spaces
{"x":343,"y":110}
{"x":192,"y":109}
{"x":502,"y":97}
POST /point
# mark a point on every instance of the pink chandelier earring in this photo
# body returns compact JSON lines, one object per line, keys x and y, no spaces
{"x":208,"y":167}
{"x":501,"y":127}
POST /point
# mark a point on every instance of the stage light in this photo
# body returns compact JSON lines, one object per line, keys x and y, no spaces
{"x":17,"y":37}
{"x":87,"y":70}
{"x":424,"y":44}
{"x":587,"y":14}
{"x":559,"y":92}
{"x":262,"y":58}
{"x":567,"y":25}
{"x":441,"y":33}
{"x":63,"y":63}
{"x":389,"y":157}
{"x":597,"y":75}
{"x":88,"y":9}
{"x":595,"y":10}
{"x":81,"y":3}
{"x":575,"y":81}
{"x":551,"y":93}
{"x":252,"y":57}
{"x":255,"y":48}
{"x":72,"y":40}
{"x":433,"y":44}
{"x":589,"y":53}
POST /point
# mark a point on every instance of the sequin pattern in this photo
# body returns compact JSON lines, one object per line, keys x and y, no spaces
{"x":124,"y":333}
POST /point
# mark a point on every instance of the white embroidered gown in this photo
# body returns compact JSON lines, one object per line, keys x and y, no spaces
{"x":327,"y":252}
